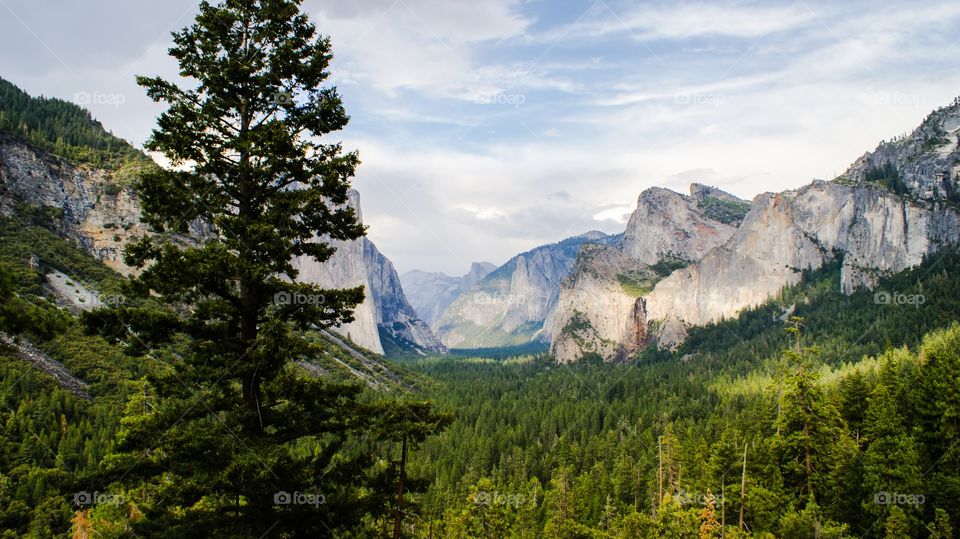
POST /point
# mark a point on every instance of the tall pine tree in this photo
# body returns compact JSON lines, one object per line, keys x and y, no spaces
{"x":241,"y":442}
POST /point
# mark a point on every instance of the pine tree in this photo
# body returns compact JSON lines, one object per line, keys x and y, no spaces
{"x":891,"y":460}
{"x":940,"y":528}
{"x":807,"y":423}
{"x":709,"y":527}
{"x":241,"y":441}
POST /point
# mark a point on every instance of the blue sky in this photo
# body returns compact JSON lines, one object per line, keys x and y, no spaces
{"x":487,"y":128}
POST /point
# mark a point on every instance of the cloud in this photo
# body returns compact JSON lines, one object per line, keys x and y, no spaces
{"x":423,"y":45}
{"x":487,"y":128}
{"x":680,"y":20}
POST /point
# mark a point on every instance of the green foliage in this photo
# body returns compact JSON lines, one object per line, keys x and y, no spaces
{"x":635,"y":284}
{"x":589,"y":432}
{"x":888,"y":176}
{"x":723,"y":210}
{"x":667,"y":265}
{"x":63,"y":129}
{"x":237,"y":428}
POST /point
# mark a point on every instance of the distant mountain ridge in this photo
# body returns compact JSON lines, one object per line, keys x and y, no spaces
{"x":509,"y":305}
{"x":891,"y":208}
{"x":430,"y":293}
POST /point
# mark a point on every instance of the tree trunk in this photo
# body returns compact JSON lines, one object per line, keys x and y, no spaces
{"x":659,"y":473}
{"x":398,"y":518}
{"x":743,"y":484}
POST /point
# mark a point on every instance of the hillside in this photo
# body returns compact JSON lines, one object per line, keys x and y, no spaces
{"x":593,"y":448}
{"x":64,"y":129}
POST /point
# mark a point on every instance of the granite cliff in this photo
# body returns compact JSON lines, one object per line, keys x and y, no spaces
{"x":891,"y":208}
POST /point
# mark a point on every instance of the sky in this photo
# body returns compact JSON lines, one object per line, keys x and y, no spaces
{"x":486,"y":128}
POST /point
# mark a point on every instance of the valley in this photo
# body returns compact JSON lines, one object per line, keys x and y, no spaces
{"x":199,"y":336}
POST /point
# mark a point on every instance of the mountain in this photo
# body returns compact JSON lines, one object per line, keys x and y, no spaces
{"x":509,"y":305}
{"x":385,"y":321}
{"x":431,"y":293}
{"x":893,"y":207}
{"x":96,"y":207}
{"x":601,"y":300}
{"x":63,"y":128}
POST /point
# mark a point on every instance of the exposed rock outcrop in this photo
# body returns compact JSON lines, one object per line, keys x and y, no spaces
{"x":385,"y":312}
{"x":396,"y":318}
{"x":891,"y":208}
{"x":875,"y":231}
{"x":601,"y":308}
{"x":924,"y":162}
{"x":670,"y":225}
{"x":99,"y":214}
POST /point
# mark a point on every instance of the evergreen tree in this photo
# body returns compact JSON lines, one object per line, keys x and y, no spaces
{"x":891,"y":460}
{"x":808,"y":423}
{"x":241,"y":441}
{"x":940,"y":528}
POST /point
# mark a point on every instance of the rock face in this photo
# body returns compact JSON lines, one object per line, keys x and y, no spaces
{"x":925,"y":161}
{"x":95,"y":212}
{"x":509,"y":306}
{"x":891,"y":208}
{"x":396,"y":319}
{"x":875,"y":232}
{"x":103,"y":217}
{"x":431,"y":293}
{"x":593,"y":311}
{"x":601,"y":307}
{"x":669,"y":225}
{"x":385,"y":313}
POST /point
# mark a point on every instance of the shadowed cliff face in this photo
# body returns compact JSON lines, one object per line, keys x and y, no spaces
{"x":385,"y":311}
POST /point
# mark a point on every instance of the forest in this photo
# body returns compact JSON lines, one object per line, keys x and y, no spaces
{"x":837,"y":423}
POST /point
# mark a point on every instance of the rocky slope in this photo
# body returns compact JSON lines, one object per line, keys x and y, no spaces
{"x":601,"y":301}
{"x":92,"y":207}
{"x":509,"y":306}
{"x":894,"y":206}
{"x":924,"y":163}
{"x":385,"y":321}
{"x":430,"y":293}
